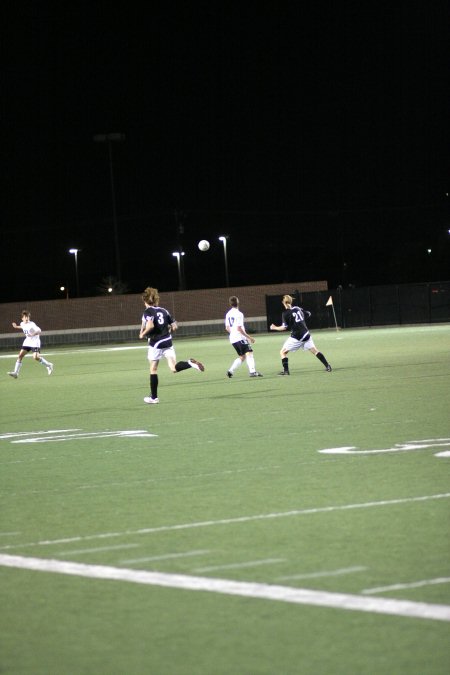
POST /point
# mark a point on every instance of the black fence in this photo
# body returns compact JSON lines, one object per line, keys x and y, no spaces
{"x":369,"y":306}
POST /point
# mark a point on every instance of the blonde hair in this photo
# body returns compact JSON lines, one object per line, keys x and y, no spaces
{"x":150,"y":296}
{"x":287,"y":300}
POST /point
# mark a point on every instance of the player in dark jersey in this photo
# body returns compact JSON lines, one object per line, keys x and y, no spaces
{"x":293,"y":319}
{"x":157,"y":326}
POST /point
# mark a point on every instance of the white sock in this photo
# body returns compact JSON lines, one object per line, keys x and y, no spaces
{"x":235,"y":365}
{"x":17,"y":367}
{"x":250,"y":362}
{"x":44,"y":362}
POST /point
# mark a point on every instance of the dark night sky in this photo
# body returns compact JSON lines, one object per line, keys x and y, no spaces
{"x":314,"y":135}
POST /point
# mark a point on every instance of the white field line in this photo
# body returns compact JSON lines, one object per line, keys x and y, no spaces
{"x":299,"y":596}
{"x":134,"y":433}
{"x":166,"y":556}
{"x":100,"y":549}
{"x":235,"y":566}
{"x":414,"y":584}
{"x":9,"y":534}
{"x":329,"y":573}
{"x":230,"y":521}
{"x":380,"y":333}
{"x":398,"y":447}
{"x":88,"y":350}
{"x":18,"y":434}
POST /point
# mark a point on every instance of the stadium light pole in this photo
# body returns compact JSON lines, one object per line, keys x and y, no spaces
{"x":177,"y":255}
{"x":223,"y":239}
{"x":110,"y":139}
{"x":75,"y":252}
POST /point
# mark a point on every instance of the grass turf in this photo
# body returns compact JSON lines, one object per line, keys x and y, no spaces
{"x":229,"y":483}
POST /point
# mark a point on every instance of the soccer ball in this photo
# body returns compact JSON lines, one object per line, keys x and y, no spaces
{"x":203,"y":245}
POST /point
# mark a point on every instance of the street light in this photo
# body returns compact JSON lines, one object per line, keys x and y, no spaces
{"x":65,"y":290}
{"x":75,"y":251}
{"x":177,"y":255}
{"x":223,"y":239}
{"x":110,"y":139}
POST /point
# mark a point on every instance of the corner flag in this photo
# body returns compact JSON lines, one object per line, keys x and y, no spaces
{"x":329,"y":303}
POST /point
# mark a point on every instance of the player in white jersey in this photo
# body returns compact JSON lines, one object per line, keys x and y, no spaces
{"x":32,"y":343}
{"x":240,"y":339}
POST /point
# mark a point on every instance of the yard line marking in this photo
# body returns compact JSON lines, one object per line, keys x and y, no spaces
{"x":167,"y":556}
{"x":97,"y":550}
{"x":398,"y":447}
{"x":329,"y":573}
{"x":299,"y":596}
{"x":135,"y":433}
{"x":414,"y":584}
{"x":230,"y":521}
{"x":86,"y":351}
{"x":232,"y":566}
{"x":35,"y":433}
{"x":159,"y":479}
{"x":9,"y":534}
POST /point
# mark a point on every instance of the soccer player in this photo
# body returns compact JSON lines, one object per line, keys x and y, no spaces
{"x":32,"y":343}
{"x":157,"y":326}
{"x":293,"y":319}
{"x":240,"y":339}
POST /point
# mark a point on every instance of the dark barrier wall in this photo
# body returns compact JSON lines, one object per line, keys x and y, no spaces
{"x":369,"y":306}
{"x":126,"y":310}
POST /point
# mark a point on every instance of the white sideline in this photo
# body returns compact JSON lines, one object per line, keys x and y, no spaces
{"x":299,"y":596}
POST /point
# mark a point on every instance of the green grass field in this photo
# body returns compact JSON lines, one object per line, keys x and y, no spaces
{"x":209,"y":535}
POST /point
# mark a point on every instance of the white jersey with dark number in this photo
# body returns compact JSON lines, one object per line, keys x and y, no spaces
{"x":31,"y":340}
{"x":234,"y":319}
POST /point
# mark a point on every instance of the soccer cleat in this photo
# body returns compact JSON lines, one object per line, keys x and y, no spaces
{"x":196,"y":364}
{"x":284,"y":372}
{"x":328,"y":368}
{"x":149,"y":399}
{"x":229,"y":374}
{"x":256,"y":374}
{"x":50,"y":368}
{"x":14,"y":375}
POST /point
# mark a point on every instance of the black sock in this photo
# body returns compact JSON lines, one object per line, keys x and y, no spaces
{"x":154,"y":386}
{"x":321,"y":358}
{"x":285,"y":364}
{"x":182,"y":365}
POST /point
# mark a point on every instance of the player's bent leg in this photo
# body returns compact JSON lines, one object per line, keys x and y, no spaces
{"x":323,"y":360}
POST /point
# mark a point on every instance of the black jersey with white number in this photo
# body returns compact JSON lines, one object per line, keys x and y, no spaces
{"x":159,"y":336}
{"x":294,"y":320}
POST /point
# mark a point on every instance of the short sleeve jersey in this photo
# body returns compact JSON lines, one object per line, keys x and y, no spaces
{"x":160,"y":335}
{"x":33,"y":341}
{"x":294,"y":320}
{"x":233,"y":319}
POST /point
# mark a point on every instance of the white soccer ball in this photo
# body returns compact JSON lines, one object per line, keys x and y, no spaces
{"x":203,"y":245}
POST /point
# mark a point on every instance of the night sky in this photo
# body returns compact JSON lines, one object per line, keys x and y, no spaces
{"x":314,"y":135}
